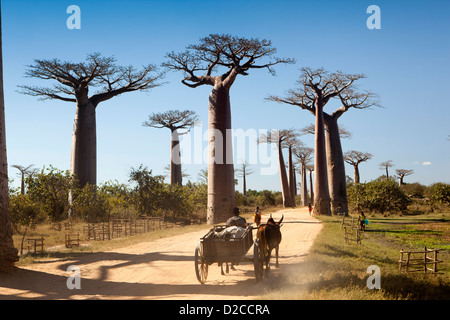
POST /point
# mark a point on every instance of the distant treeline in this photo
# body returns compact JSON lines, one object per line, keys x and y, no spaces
{"x":53,"y":194}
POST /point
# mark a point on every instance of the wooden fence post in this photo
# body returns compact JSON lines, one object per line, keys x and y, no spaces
{"x":425,"y":259}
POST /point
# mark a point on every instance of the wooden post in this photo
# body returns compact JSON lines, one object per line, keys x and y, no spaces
{"x":345,"y":234}
{"x":408,"y":254}
{"x":425,"y":260}
{"x":401,"y":260}
{"x":435,"y":261}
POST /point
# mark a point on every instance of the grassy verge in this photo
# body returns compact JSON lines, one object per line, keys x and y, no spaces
{"x":336,"y":270}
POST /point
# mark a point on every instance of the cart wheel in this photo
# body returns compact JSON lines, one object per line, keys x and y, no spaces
{"x":201,"y":267}
{"x":257,"y":262}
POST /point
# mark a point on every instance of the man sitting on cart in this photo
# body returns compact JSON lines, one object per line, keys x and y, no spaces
{"x":236,"y":220}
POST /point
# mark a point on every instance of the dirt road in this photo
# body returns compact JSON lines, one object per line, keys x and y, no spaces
{"x":163,"y":269}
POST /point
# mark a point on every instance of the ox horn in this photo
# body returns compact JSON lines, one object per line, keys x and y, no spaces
{"x":282,"y":217}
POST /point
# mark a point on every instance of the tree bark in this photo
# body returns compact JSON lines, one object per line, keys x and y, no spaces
{"x":83,"y":163}
{"x":285,"y":190}
{"x":303,"y":188}
{"x":8,"y":253}
{"x":321,"y":192}
{"x":311,"y":189}
{"x":336,"y":167}
{"x":356,"y":173}
{"x":221,"y":194}
{"x":176,"y":177}
{"x":291,"y":181}
{"x":244,"y":185}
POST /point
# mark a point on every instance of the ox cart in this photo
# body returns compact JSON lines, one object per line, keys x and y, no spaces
{"x":214,"y":249}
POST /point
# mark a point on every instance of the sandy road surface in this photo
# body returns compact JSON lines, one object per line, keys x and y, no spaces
{"x":163,"y":269}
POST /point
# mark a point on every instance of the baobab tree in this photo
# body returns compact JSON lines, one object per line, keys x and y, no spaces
{"x":234,"y":56}
{"x":385,"y":166}
{"x":292,"y":181}
{"x":335,"y":165}
{"x":23,"y":171}
{"x":243,"y":172}
{"x":317,"y":88}
{"x":8,"y":253}
{"x":175,"y":120}
{"x":401,"y":173}
{"x":354,"y":158}
{"x":303,"y":156}
{"x":310,"y":168}
{"x":281,"y":138}
{"x":73,"y":81}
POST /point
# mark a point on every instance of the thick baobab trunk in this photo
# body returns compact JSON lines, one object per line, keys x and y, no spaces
{"x":336,"y":167}
{"x":285,"y":190}
{"x":176,"y":177}
{"x":291,"y":177}
{"x":303,"y":189}
{"x":311,"y":188}
{"x":321,"y":192}
{"x":244,"y":185}
{"x":295,"y":183}
{"x":83,"y":162}
{"x":356,"y":173}
{"x":8,"y":254}
{"x":221,"y":195}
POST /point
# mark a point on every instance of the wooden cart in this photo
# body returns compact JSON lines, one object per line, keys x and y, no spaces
{"x":212,"y":249}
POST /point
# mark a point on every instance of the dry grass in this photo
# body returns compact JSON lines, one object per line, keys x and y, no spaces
{"x":54,"y":241}
{"x":338,"y":271}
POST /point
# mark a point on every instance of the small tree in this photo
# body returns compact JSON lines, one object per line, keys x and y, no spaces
{"x":174,"y":120}
{"x":304,"y":156}
{"x":354,"y":158}
{"x":23,"y":172}
{"x":50,"y":188}
{"x":243,"y":172}
{"x":381,"y":196}
{"x":147,"y":193}
{"x":385,"y":166}
{"x":23,"y":211}
{"x":92,"y":204}
{"x":440,"y":195}
{"x":401,"y":173}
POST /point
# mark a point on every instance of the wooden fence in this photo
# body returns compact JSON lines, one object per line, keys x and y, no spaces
{"x":72,"y":240}
{"x":419,"y":260}
{"x":35,"y":245}
{"x":349,"y":223}
{"x":353,"y":235}
{"x":115,"y":228}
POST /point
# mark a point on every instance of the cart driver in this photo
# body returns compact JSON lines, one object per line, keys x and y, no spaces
{"x":236,"y":220}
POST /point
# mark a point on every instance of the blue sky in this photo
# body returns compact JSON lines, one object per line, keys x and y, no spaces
{"x":406,"y":62}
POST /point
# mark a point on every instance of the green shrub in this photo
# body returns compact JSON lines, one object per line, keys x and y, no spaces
{"x":440,"y":195}
{"x":91,"y":204}
{"x":50,"y":189}
{"x":382,"y":195}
